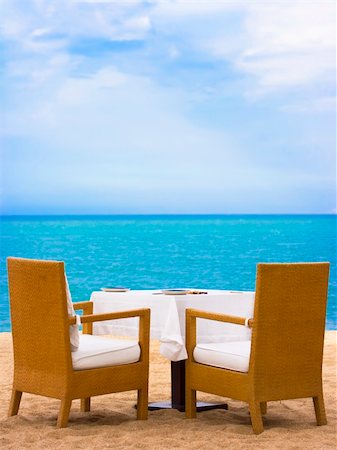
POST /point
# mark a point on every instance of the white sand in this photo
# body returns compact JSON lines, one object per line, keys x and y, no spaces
{"x":111,"y":423}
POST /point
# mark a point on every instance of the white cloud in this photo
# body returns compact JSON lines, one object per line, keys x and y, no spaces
{"x":37,"y":73}
{"x":89,"y":123}
{"x":125,"y":123}
{"x":82,"y":91}
{"x":116,"y":134}
{"x":282,"y":45}
{"x":117,"y":107}
{"x":140,"y":23}
{"x":315,"y":105}
{"x":189,"y":8}
{"x":25,"y":23}
{"x":276,"y":45}
{"x":130,"y":3}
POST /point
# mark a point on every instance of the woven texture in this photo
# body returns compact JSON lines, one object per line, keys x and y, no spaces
{"x":286,"y":348}
{"x":41,"y":342}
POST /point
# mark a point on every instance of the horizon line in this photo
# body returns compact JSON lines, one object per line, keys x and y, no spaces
{"x":164,"y":214}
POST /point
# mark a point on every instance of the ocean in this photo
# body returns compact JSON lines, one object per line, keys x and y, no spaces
{"x":156,"y":252}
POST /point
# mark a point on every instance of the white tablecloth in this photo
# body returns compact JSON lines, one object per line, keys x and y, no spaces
{"x":168,"y":316}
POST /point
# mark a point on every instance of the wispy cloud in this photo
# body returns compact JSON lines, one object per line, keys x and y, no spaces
{"x":277,"y":45}
{"x":24,"y":23}
{"x":289,"y":46}
{"x":178,"y":104}
{"x":310,"y":106}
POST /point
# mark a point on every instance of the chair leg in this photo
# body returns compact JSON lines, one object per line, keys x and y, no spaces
{"x":191,"y":404}
{"x":320,"y":410}
{"x":14,"y":403}
{"x":142,"y":403}
{"x":256,"y":417}
{"x":85,"y":404}
{"x":263,"y":408}
{"x":62,"y":420}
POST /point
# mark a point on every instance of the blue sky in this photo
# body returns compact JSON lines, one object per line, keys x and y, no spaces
{"x":113,"y":107}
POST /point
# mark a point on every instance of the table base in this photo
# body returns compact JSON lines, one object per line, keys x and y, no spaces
{"x":201,"y":406}
{"x":178,"y":393}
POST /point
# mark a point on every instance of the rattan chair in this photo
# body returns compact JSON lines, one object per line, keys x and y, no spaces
{"x":283,"y":360}
{"x":43,"y":361}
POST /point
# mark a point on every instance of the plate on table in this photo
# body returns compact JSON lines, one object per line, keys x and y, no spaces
{"x":115,"y":289}
{"x":175,"y":291}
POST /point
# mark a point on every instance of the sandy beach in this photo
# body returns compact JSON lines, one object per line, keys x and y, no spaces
{"x":112,"y":421}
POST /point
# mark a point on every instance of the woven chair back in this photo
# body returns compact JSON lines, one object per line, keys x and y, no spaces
{"x":289,"y":323}
{"x":39,"y":316}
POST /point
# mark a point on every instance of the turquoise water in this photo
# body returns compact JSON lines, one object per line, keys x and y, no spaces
{"x":144,"y":252}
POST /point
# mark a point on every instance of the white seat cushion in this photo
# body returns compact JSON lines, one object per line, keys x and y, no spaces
{"x":227,"y":355}
{"x":94,"y":352}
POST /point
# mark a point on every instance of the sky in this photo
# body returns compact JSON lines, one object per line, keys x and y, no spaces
{"x":167,"y":107}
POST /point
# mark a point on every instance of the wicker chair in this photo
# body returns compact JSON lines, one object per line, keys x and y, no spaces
{"x":283,"y":360}
{"x":43,"y":361}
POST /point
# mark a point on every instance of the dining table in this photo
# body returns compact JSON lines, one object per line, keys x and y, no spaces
{"x":168,"y":325}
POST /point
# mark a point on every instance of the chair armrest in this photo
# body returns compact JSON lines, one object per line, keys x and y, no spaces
{"x":115,"y":315}
{"x":219,"y":317}
{"x":191,"y":324}
{"x":144,"y":325}
{"x":86,"y":306}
